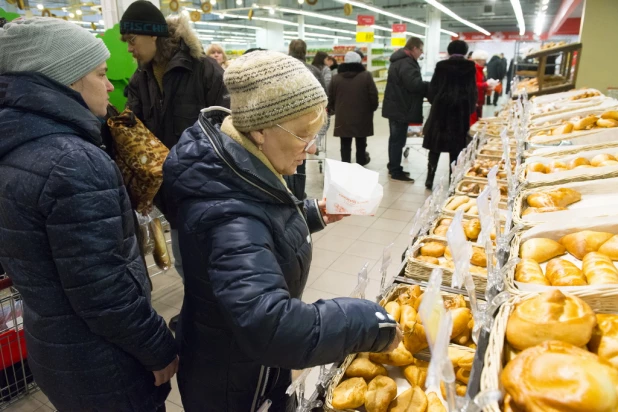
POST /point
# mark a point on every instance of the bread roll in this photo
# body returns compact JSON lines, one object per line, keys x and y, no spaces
{"x":380,"y":393}
{"x":561,"y":272}
{"x":409,"y":296}
{"x":610,"y":248}
{"x":460,"y":358}
{"x":461,"y":318}
{"x":441,"y":230}
{"x":608,"y":163}
{"x":456,"y":202}
{"x":412,"y":400}
{"x":600,"y":158}
{"x":604,"y":341}
{"x":394,"y":309}
{"x":434,"y":404}
{"x":477,"y":270}
{"x":557,"y":164}
{"x":541,"y":249}
{"x":363,"y":367}
{"x":564,"y":196}
{"x":559,"y":169}
{"x":585,"y":122}
{"x":447,"y":253}
{"x":579,"y":161}
{"x":611,"y":114}
{"x":350,"y":394}
{"x":532,"y":210}
{"x":479,"y":258}
{"x":446,"y":222}
{"x":414,"y":338}
{"x":550,"y":316}
{"x":455,"y":302}
{"x":472,"y":229}
{"x":474,"y":211}
{"x":466,"y":206}
{"x":429,"y":259}
{"x":599,"y":269}
{"x":529,"y":271}
{"x":581,"y":243}
{"x":399,"y":357}
{"x":463,"y":375}
{"x":564,"y":129}
{"x":607,"y":123}
{"x":416,"y":374}
{"x":540,"y":199}
{"x":585,"y":167}
{"x":557,"y":376}
{"x":536,"y":167}
{"x":434,"y":249}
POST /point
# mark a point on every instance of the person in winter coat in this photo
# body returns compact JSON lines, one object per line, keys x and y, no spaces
{"x":453,"y":96}
{"x":479,"y":57}
{"x":352,"y":98}
{"x":246,"y":247}
{"x":66,"y":228}
{"x":403,"y":102}
{"x":496,"y":70}
{"x":319,"y":61}
{"x":174,"y":81}
{"x":332,"y":64}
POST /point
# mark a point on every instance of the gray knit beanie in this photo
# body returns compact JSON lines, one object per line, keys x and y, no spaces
{"x":60,"y":50}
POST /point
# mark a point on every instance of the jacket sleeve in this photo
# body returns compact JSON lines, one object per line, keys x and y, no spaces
{"x":314,"y":216}
{"x":133,"y":101}
{"x":85,"y":205}
{"x":328,"y":76}
{"x":374,"y":101}
{"x":216,"y":92}
{"x":332,"y":94}
{"x":413,"y":81}
{"x":271,"y":327}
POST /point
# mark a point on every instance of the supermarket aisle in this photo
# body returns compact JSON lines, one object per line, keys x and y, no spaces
{"x":340,"y":251}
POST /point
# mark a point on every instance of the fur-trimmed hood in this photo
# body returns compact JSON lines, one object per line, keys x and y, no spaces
{"x":180,"y":29}
{"x":351,"y":68}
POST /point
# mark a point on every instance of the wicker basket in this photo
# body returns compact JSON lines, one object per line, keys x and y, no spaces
{"x":421,"y":271}
{"x":562,"y":151}
{"x":469,"y":180}
{"x":593,"y":136}
{"x":394,"y":292}
{"x":602,"y":298}
{"x":501,"y":205}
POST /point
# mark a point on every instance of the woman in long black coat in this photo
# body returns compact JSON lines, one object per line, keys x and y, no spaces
{"x":453,"y":95}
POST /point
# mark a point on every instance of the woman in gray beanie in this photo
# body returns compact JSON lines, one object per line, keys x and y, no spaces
{"x":66,"y":228}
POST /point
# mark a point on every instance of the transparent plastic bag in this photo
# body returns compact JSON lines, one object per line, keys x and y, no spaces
{"x":461,"y":249}
{"x":144,"y":234}
{"x":160,"y":254}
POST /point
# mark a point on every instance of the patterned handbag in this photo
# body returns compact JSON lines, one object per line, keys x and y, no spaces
{"x":139,"y":156}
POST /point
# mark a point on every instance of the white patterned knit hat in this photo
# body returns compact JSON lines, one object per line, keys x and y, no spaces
{"x":268,"y":88}
{"x":60,"y":50}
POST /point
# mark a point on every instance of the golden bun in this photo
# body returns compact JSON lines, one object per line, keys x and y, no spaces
{"x":604,"y":340}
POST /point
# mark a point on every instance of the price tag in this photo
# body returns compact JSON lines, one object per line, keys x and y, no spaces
{"x":364,"y":37}
{"x":398,"y":41}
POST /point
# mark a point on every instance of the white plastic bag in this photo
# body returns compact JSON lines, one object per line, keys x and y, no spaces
{"x":350,"y":189}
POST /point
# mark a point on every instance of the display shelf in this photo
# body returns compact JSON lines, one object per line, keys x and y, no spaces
{"x":555,"y":50}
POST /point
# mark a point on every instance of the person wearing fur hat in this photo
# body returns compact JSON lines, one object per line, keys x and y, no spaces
{"x":67,"y":230}
{"x":353,"y":98}
{"x":174,"y":81}
{"x":246,"y":246}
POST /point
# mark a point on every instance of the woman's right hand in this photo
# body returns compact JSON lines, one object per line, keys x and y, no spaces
{"x":395,"y":343}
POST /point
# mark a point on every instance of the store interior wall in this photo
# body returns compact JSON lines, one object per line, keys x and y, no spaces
{"x":598,"y":62}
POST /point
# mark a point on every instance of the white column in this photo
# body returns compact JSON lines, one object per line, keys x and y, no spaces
{"x":432,"y":39}
{"x":301,"y":27}
{"x":271,"y":38}
{"x":110,"y":13}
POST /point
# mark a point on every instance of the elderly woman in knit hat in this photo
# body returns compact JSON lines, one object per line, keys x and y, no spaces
{"x":66,"y":228}
{"x":246,"y":247}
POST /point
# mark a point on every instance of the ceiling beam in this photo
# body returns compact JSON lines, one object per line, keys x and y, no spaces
{"x":566,"y":9}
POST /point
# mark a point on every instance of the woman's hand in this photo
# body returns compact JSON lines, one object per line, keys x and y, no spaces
{"x":328,"y":219}
{"x":395,"y":343}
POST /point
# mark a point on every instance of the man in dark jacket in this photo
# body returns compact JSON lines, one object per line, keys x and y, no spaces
{"x":174,"y":81}
{"x":403,"y":102}
{"x":453,"y":95}
{"x":496,"y":69}
{"x":66,"y":228}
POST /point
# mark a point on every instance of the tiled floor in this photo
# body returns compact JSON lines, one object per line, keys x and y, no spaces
{"x":340,"y":251}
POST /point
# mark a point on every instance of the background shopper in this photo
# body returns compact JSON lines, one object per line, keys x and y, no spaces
{"x":66,"y":224}
{"x":479,"y":57}
{"x":453,"y":97}
{"x":353,"y":98}
{"x":216,"y":52}
{"x":332,"y":64}
{"x":319,"y":61}
{"x":247,"y":249}
{"x":403,"y":102}
{"x":496,"y":69}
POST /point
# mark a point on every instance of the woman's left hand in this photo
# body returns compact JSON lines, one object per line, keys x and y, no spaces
{"x":328,"y":219}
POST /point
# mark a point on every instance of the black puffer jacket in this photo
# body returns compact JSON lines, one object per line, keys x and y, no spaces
{"x":246,"y":250}
{"x":405,"y":89}
{"x":67,"y":242}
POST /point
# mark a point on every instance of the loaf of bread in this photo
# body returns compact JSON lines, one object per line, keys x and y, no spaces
{"x":564,"y":196}
{"x":456,"y":202}
{"x":532,"y":210}
{"x":529,"y":271}
{"x":417,"y":373}
{"x":412,"y":400}
{"x":479,"y":257}
{"x":394,"y":309}
{"x":579,"y":161}
{"x":428,"y":259}
{"x":557,"y":376}
{"x":472,"y":228}
{"x":399,"y":357}
{"x":604,"y":341}
{"x":414,"y":337}
{"x":536,"y":167}
{"x":441,"y":230}
{"x":540,"y":199}
{"x":433,"y":249}
{"x":434,"y":404}
{"x":541,"y":249}
{"x":600,"y":158}
{"x":586,"y":122}
{"x":607,"y":123}
{"x":363,"y":367}
{"x":380,"y":393}
{"x":561,"y":272}
{"x":350,"y":394}
{"x":579,"y":244}
{"x":599,"y":269}
{"x":550,"y":316}
{"x":610,"y":248}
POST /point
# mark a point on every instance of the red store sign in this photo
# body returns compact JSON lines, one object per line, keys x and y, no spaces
{"x":399,"y":28}
{"x":497,"y":36}
{"x":365,"y":20}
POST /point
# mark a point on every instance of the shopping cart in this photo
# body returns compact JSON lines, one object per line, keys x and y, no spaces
{"x":414,"y":140}
{"x":16,"y":380}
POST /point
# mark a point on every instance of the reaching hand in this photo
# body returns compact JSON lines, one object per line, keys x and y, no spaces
{"x":328,"y":219}
{"x":395,"y":343}
{"x":164,"y":375}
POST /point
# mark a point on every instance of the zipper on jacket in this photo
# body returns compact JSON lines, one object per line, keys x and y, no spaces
{"x":257,"y":390}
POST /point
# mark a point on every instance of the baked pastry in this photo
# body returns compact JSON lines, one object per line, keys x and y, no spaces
{"x":564,"y":196}
{"x":585,"y":167}
{"x":447,"y":253}
{"x":399,"y":357}
{"x":563,"y":129}
{"x":434,"y":249}
{"x":455,"y":302}
{"x":532,"y":210}
{"x":466,"y":206}
{"x":579,"y":161}
{"x":541,"y":249}
{"x":380,"y":393}
{"x":428,"y":259}
{"x":600,"y":158}
{"x":581,"y":243}
{"x":610,"y":248}
{"x":557,"y":164}
{"x":607,"y":123}
{"x":394,"y":309}
{"x":461,"y":319}
{"x":479,"y":258}
{"x":412,"y":400}
{"x":456,"y":202}
{"x":550,"y":316}
{"x":599,"y":269}
{"x":463,"y":375}
{"x":529,"y":271}
{"x":557,"y":376}
{"x":350,"y":394}
{"x":474,"y":211}
{"x":460,"y":358}
{"x":540,"y":199}
{"x":472,"y":228}
{"x":610,"y":114}
{"x":536,"y":167}
{"x":416,"y":374}
{"x":441,"y":230}
{"x":414,"y":337}
{"x":363,"y":367}
{"x":586,"y":122}
{"x":409,"y":296}
{"x":604,"y":341}
{"x":434,"y":404}
{"x":477,"y":270}
{"x":608,"y":163}
{"x":561,"y":272}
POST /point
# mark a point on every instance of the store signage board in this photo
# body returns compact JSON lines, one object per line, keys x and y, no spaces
{"x":496,"y":36}
{"x":365,"y":20}
{"x":398,"y":37}
{"x":399,"y":28}
{"x":364,"y":37}
{"x":364,"y":29}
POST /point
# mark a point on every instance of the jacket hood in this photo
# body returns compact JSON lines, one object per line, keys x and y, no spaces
{"x":458,"y":66}
{"x":399,"y":55}
{"x":208,"y":164}
{"x":180,"y":29}
{"x":349,"y":70}
{"x":33,"y":105}
{"x":495,"y":59}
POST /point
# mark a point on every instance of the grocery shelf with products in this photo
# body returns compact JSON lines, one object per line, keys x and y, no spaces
{"x":520,"y":249}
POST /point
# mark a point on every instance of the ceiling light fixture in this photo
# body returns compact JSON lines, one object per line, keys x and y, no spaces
{"x":326,"y":36}
{"x":78,"y":12}
{"x":239,"y":2}
{"x":382,"y":12}
{"x":241,"y":16}
{"x":454,"y":15}
{"x":545,"y":1}
{"x":539,"y":24}
{"x":271,"y":12}
{"x":301,"y":2}
{"x":71,"y":15}
{"x":519,"y":14}
{"x":316,"y":15}
{"x":239,"y":26}
{"x":40,"y":6}
{"x":102,"y":22}
{"x":544,"y":7}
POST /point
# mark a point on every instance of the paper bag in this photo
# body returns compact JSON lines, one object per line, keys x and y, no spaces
{"x":350,"y":189}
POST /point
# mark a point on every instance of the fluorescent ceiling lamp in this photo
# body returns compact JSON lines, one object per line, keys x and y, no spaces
{"x":519,"y":14}
{"x":539,"y":23}
{"x":314,"y":27}
{"x":545,"y":2}
{"x":241,"y":16}
{"x":326,"y":36}
{"x":216,"y":23}
{"x":78,"y":12}
{"x":205,"y":31}
{"x":71,"y":15}
{"x":454,"y":15}
{"x":317,"y":15}
{"x":545,"y":6}
{"x":40,"y":6}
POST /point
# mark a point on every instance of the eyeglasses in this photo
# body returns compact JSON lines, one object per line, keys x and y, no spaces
{"x":131,"y":41}
{"x":309,"y":143}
